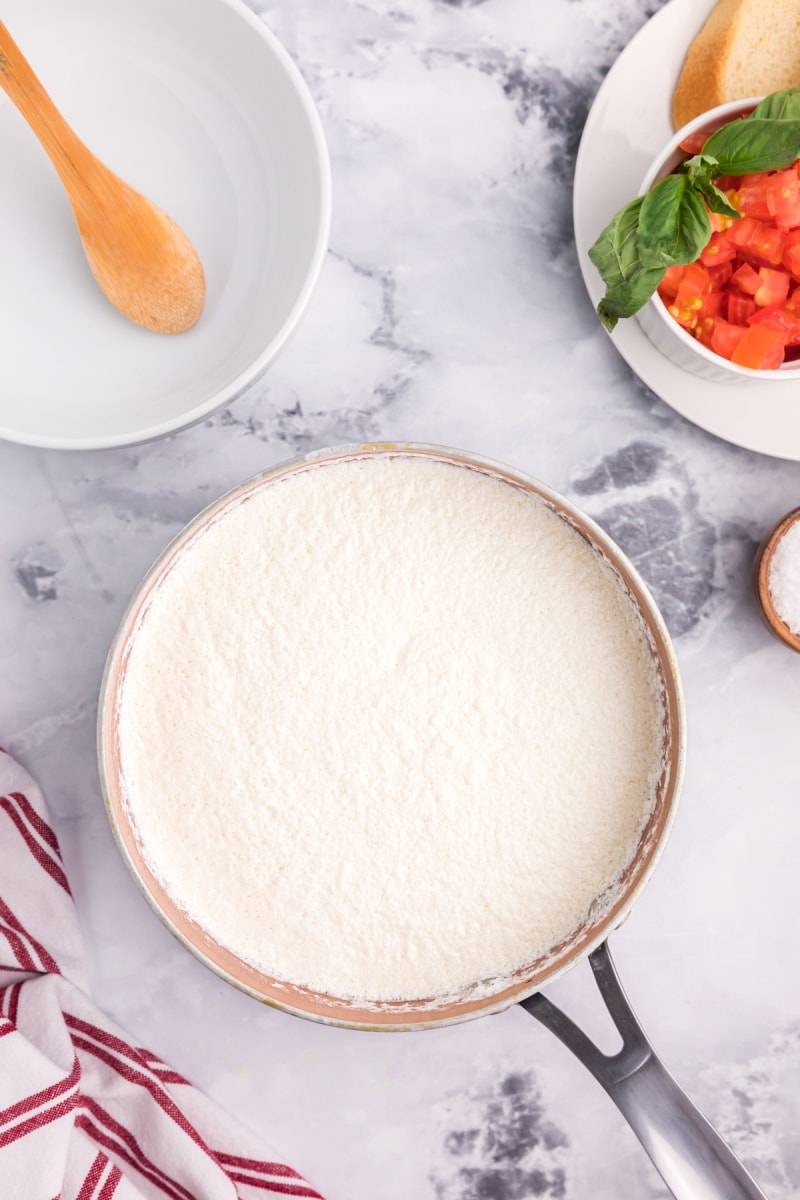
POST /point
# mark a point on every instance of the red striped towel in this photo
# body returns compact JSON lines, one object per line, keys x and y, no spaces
{"x":84,"y":1114}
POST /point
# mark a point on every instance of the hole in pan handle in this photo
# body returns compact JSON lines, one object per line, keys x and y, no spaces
{"x":691,"y":1157}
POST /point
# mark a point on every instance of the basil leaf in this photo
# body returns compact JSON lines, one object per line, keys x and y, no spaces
{"x":616,"y":255}
{"x":702,"y":166}
{"x":673,"y":224}
{"x":782,"y":106}
{"x":627,"y":298}
{"x":757,"y":144}
{"x":716,"y":199}
{"x":701,"y":172}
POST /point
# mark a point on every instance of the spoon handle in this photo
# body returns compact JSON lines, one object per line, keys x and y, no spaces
{"x":142,"y":261}
{"x":21,"y":84}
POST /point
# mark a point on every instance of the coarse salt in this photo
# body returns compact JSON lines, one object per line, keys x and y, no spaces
{"x":784,"y":577}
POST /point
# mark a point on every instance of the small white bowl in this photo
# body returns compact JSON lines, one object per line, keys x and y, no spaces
{"x":197,"y":105}
{"x":663,"y":331}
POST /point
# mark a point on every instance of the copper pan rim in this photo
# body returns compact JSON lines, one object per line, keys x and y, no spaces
{"x":390,"y":1015}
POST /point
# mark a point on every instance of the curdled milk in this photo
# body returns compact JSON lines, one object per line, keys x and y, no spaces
{"x":389,"y":727}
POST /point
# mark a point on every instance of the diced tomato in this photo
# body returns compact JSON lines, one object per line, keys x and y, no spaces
{"x":696,"y":277}
{"x":687,"y":307}
{"x":713,"y":304}
{"x":783,"y":198}
{"x":767,"y":244}
{"x":791,"y":243}
{"x":741,"y":298}
{"x":740,"y":307}
{"x":753,"y":197}
{"x":694,"y":143}
{"x":760,"y":349}
{"x":671,"y":282}
{"x":758,"y":239}
{"x":786,"y":323}
{"x":719,"y":276}
{"x":719,"y":222}
{"x":725,"y":338}
{"x":720,"y":249}
{"x":774,"y":288}
{"x":742,"y":230}
{"x":746,"y":279}
{"x":705,"y":330}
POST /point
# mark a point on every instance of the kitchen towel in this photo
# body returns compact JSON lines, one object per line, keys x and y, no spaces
{"x":84,"y":1113}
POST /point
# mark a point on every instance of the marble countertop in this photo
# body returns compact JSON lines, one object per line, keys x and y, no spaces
{"x":451,"y":310}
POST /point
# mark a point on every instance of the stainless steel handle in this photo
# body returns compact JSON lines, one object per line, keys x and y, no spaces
{"x":691,"y":1157}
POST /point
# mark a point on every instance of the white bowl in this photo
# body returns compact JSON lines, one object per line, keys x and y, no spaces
{"x":197,"y":105}
{"x":663,"y":331}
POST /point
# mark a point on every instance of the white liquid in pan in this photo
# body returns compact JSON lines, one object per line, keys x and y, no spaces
{"x":388,"y":728}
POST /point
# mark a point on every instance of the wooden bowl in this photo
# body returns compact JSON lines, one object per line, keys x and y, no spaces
{"x":761,"y":572}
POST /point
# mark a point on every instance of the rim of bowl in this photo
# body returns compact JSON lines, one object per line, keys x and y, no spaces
{"x":398,"y":1016}
{"x":251,"y":374}
{"x":788,"y":372}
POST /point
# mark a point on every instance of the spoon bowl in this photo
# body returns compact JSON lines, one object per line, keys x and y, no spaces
{"x":142,"y":261}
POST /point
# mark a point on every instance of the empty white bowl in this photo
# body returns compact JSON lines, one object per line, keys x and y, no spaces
{"x":196,"y":104}
{"x":663,"y":331}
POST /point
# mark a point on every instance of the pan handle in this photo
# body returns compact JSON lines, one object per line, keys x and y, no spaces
{"x":693,"y":1160}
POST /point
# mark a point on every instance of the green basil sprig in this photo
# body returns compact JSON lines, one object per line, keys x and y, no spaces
{"x":780,"y":106}
{"x":669,"y":226}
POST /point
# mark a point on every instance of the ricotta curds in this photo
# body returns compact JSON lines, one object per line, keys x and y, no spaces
{"x":389,"y":727}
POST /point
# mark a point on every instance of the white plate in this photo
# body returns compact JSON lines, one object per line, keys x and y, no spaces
{"x":629,"y":122}
{"x":196,"y":104}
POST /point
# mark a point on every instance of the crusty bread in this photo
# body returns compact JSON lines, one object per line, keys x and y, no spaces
{"x":746,"y":48}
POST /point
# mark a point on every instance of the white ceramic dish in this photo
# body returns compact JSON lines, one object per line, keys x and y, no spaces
{"x":664,"y":332}
{"x":630,"y":119}
{"x":196,"y":104}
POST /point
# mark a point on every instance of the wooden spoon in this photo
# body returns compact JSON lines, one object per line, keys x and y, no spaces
{"x":144,"y":263}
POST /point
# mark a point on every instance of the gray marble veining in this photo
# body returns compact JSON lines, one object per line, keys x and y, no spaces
{"x":451,"y":310}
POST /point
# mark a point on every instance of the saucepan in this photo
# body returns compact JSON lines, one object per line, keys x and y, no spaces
{"x":692,"y":1158}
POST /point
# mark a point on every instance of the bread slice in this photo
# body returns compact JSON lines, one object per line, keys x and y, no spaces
{"x":746,"y":48}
